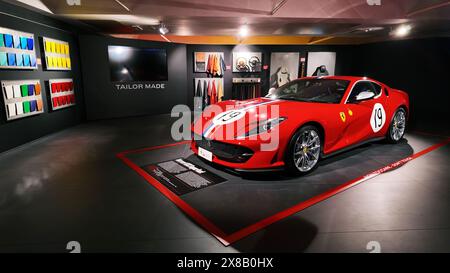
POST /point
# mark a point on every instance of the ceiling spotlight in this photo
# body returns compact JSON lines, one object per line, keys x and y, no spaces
{"x":163,"y":29}
{"x":402,"y":30}
{"x":243,"y":31}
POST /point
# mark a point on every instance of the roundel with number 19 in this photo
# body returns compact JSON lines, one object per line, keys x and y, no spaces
{"x":378,"y":118}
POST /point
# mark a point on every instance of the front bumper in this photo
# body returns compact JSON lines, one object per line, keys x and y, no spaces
{"x":237,"y":154}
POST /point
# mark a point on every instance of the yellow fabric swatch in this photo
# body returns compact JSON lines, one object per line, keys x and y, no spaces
{"x":63,"y":62}
{"x":59,"y":62}
{"x":68,"y":62}
{"x":53,"y":47}
{"x":49,"y":61}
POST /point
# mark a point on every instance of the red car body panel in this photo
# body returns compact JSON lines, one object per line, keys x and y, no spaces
{"x":337,"y":132}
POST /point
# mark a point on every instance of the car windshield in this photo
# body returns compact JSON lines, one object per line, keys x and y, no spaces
{"x":312,"y":90}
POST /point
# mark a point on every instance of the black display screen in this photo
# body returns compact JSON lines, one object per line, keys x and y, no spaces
{"x":130,"y":64}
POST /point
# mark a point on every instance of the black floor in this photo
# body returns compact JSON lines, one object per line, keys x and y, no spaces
{"x":71,"y":187}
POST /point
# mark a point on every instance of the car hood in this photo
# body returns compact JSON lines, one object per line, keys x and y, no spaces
{"x":235,"y":118}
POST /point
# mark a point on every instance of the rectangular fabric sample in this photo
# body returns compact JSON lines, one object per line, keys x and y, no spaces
{"x":30,"y":43}
{"x":11,"y":109}
{"x":8,"y":40}
{"x":24,"y":90}
{"x":55,"y":102}
{"x":68,"y":63}
{"x":63,"y":62}
{"x":49,"y":61}
{"x":19,"y":108}
{"x":2,"y":40}
{"x":53,"y":47}
{"x":3,"y":59}
{"x":48,"y":46}
{"x":58,"y":48}
{"x":26,"y":107}
{"x":23,"y":42}
{"x":39,"y":104}
{"x":53,"y":88}
{"x":59,"y":62}
{"x":19,"y":59}
{"x":37,"y":89}
{"x":31,"y":90}
{"x":16,"y":39}
{"x":33,"y":60}
{"x":16,"y":90}
{"x":33,"y":106}
{"x":26,"y":60}
{"x":11,"y":59}
{"x":9,"y":92}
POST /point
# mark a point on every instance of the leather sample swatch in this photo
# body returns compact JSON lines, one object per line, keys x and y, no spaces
{"x":37,"y":89}
{"x":9,"y":92}
{"x":3,"y":59}
{"x":19,"y":108}
{"x":16,"y":40}
{"x":32,"y":60}
{"x":31,"y":90}
{"x":17,"y":91}
{"x":23,"y":42}
{"x":12,"y":109}
{"x":30,"y":43}
{"x":19,"y":59}
{"x":33,"y":106}
{"x":26,"y":107}
{"x":39,"y":104}
{"x":24,"y":90}
{"x":8,"y":40}
{"x":26,"y":60}
{"x":11,"y":59}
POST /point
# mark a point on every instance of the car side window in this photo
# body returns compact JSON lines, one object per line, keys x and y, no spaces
{"x":364,"y":86}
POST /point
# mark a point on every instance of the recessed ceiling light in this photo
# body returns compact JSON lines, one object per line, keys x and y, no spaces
{"x":243,"y":31}
{"x":402,"y":30}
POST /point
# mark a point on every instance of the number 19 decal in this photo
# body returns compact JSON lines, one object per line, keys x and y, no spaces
{"x":378,"y":117}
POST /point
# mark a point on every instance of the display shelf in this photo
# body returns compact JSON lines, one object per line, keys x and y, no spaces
{"x":62,"y":93}
{"x":57,"y":54}
{"x":17,"y":49}
{"x":22,"y":98}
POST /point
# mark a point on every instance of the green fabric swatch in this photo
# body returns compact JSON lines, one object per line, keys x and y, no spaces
{"x":24,"y":90}
{"x":2,"y":41}
{"x":26,"y":106}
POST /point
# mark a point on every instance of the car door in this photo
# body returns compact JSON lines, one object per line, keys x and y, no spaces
{"x":366,"y":118}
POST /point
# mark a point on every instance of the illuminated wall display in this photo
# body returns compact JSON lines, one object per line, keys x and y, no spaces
{"x":62,"y":93}
{"x":57,"y":54}
{"x":17,"y":50}
{"x":22,"y":98}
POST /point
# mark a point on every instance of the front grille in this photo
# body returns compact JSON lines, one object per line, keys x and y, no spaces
{"x":225,"y":151}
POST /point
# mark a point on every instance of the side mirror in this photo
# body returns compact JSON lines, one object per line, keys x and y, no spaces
{"x":365,"y":95}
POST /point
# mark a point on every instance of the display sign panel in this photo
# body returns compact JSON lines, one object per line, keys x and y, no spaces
{"x":22,"y":98}
{"x":62,"y":93}
{"x":17,"y":49}
{"x":57,"y":54}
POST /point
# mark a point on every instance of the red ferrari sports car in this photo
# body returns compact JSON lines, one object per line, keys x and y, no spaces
{"x":307,"y":119}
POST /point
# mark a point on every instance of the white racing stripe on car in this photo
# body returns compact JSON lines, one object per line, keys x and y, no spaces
{"x":212,"y":126}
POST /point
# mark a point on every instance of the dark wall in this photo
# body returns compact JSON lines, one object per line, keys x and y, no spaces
{"x":17,"y":132}
{"x":344,"y":62}
{"x":104,"y":101}
{"x":421,"y":68}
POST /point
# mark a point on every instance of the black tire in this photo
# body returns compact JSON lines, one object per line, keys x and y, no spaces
{"x":289,"y":161}
{"x":390,"y":135}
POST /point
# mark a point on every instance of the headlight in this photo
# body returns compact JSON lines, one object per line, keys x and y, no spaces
{"x":263,"y":126}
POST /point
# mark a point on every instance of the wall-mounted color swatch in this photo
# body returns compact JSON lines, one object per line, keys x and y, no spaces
{"x":17,"y":50}
{"x":62,"y":93}
{"x":22,"y":98}
{"x":57,"y":54}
